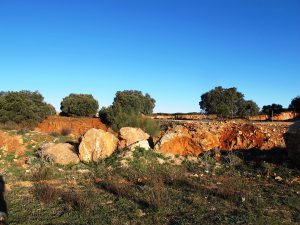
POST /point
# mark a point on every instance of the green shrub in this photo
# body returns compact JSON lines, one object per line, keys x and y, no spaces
{"x":24,"y":107}
{"x":79,"y":105}
{"x":134,"y":120}
{"x":127,"y":110}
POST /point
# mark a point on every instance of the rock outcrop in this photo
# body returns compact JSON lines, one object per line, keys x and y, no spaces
{"x":97,"y":144}
{"x":292,"y":140}
{"x":195,"y":138}
{"x":277,"y":117}
{"x":259,"y":118}
{"x":62,"y":153}
{"x":178,"y":142}
{"x":285,"y":116}
{"x":130,"y":136}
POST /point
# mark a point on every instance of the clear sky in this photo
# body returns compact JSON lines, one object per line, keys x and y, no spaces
{"x":175,"y":50}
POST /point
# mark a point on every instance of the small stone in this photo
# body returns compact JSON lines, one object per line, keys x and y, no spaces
{"x":141,"y":213}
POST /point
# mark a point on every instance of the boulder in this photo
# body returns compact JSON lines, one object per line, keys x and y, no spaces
{"x":141,"y":144}
{"x":186,"y":140}
{"x":131,"y":135}
{"x":97,"y":144}
{"x":292,"y":140}
{"x":62,"y":153}
{"x":178,"y":143}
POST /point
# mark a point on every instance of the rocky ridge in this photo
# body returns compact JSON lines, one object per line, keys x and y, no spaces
{"x":195,"y":138}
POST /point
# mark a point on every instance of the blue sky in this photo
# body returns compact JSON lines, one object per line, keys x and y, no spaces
{"x":175,"y":50}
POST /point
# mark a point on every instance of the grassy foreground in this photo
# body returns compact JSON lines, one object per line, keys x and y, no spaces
{"x":143,"y":187}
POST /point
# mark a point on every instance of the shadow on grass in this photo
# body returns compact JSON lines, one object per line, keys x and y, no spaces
{"x":277,"y":156}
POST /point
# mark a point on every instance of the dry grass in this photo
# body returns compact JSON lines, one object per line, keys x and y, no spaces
{"x":44,"y":192}
{"x":73,"y":200}
{"x":40,"y":174}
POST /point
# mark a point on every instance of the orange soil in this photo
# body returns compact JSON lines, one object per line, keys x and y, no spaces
{"x":77,"y":126}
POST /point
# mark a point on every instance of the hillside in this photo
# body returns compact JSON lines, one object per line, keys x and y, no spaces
{"x":138,"y":186}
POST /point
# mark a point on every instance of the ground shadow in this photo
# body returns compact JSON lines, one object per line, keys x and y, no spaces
{"x":75,"y":146}
{"x":3,"y":205}
{"x":277,"y":156}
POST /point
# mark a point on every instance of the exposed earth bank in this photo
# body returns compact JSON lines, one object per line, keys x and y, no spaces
{"x":76,"y":126}
{"x":197,"y":137}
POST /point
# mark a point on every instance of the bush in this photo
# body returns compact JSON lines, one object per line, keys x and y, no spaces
{"x":79,"y":105}
{"x":44,"y":192}
{"x":127,"y":110}
{"x":24,"y":107}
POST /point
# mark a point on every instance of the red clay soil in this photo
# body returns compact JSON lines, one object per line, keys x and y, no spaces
{"x":182,"y":146}
{"x":241,"y":137}
{"x":12,"y":144}
{"x":77,"y":126}
{"x":196,"y":137}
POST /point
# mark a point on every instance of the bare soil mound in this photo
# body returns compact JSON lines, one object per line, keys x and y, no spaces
{"x":76,"y":126}
{"x":11,"y":143}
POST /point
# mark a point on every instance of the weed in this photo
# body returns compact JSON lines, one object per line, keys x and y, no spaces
{"x":73,"y":200}
{"x":55,"y":134}
{"x":116,"y":186}
{"x":157,"y":195}
{"x":9,"y":157}
{"x":15,"y":171}
{"x":145,"y":153}
{"x":44,"y":192}
{"x":41,"y":174}
{"x":22,"y":131}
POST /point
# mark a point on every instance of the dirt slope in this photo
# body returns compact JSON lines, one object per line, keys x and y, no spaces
{"x":78,"y":126}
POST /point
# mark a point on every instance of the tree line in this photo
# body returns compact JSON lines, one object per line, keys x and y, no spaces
{"x":229,"y":102}
{"x":29,"y":108}
{"x":25,"y":107}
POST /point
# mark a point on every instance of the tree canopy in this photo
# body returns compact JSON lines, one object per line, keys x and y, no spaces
{"x":79,"y":105}
{"x":274,"y":108}
{"x":127,"y":109}
{"x":24,"y":107}
{"x":295,"y":104}
{"x":134,"y":101}
{"x":227,"y":102}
